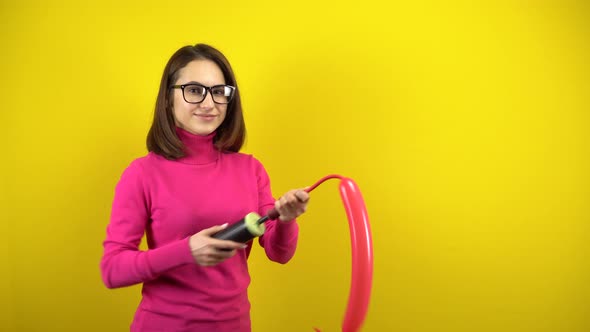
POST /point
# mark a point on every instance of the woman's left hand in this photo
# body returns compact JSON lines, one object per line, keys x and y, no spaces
{"x":292,"y":204}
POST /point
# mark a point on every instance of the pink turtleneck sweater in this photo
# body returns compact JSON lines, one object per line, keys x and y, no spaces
{"x":171,"y":200}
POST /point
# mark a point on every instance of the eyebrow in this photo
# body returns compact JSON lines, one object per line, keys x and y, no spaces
{"x":194,"y":82}
{"x":199,"y":83}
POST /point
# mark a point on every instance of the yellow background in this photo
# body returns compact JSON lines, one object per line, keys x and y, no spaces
{"x":465,"y":124}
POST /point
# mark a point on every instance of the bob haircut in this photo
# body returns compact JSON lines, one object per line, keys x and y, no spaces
{"x":162,"y":138}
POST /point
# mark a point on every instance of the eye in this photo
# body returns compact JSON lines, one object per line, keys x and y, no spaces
{"x":219,"y":91}
{"x":194,"y":90}
{"x":225,"y":91}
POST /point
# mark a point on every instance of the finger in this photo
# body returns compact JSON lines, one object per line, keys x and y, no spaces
{"x":286,"y":196}
{"x":292,"y":204}
{"x":283,"y":207}
{"x":222,"y":254}
{"x":212,"y":230}
{"x":285,"y":200}
{"x":205,"y":261}
{"x":302,"y":196}
{"x":295,"y":212}
{"x":295,"y":205}
{"x":212,"y":258}
{"x":291,"y":200}
{"x":226,"y":244}
{"x":280,"y":204}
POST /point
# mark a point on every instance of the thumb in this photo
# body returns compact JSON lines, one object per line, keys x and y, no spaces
{"x":302,"y":196}
{"x":213,"y":230}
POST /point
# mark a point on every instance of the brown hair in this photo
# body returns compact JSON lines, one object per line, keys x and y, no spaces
{"x":162,"y":138}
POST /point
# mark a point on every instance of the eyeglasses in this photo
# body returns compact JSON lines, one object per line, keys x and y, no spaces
{"x":195,"y":93}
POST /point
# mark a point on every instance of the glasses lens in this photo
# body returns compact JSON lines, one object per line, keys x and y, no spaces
{"x":222,"y":94}
{"x":194,"y":93}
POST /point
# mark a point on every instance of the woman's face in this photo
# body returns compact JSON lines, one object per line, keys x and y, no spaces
{"x":205,"y":117}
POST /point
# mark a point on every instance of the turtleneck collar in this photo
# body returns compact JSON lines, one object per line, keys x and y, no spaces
{"x":199,"y":149}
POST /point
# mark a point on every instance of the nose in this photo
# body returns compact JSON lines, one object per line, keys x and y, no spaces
{"x":207,"y":103}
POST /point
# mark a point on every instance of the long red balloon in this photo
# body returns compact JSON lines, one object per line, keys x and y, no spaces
{"x":362,"y":252}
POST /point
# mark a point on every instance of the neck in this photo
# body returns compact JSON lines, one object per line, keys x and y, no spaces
{"x":198,"y":149}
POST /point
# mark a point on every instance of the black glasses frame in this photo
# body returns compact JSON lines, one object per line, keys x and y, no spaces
{"x":207,"y":90}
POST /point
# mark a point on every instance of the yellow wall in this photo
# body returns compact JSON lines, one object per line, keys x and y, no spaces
{"x":465,"y":124}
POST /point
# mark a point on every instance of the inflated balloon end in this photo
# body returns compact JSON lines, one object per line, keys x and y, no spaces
{"x":362,"y":253}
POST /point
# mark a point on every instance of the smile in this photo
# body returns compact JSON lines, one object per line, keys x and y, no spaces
{"x":205,"y":117}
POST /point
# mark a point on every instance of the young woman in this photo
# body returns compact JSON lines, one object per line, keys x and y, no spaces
{"x":192,"y":182}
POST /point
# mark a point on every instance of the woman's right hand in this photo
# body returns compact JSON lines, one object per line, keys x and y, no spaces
{"x":208,"y":251}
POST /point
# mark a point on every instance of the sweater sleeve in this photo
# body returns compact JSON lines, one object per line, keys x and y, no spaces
{"x":122,"y":263}
{"x":280,"y":238}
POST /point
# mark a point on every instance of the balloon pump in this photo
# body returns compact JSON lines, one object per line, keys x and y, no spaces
{"x":252,"y":225}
